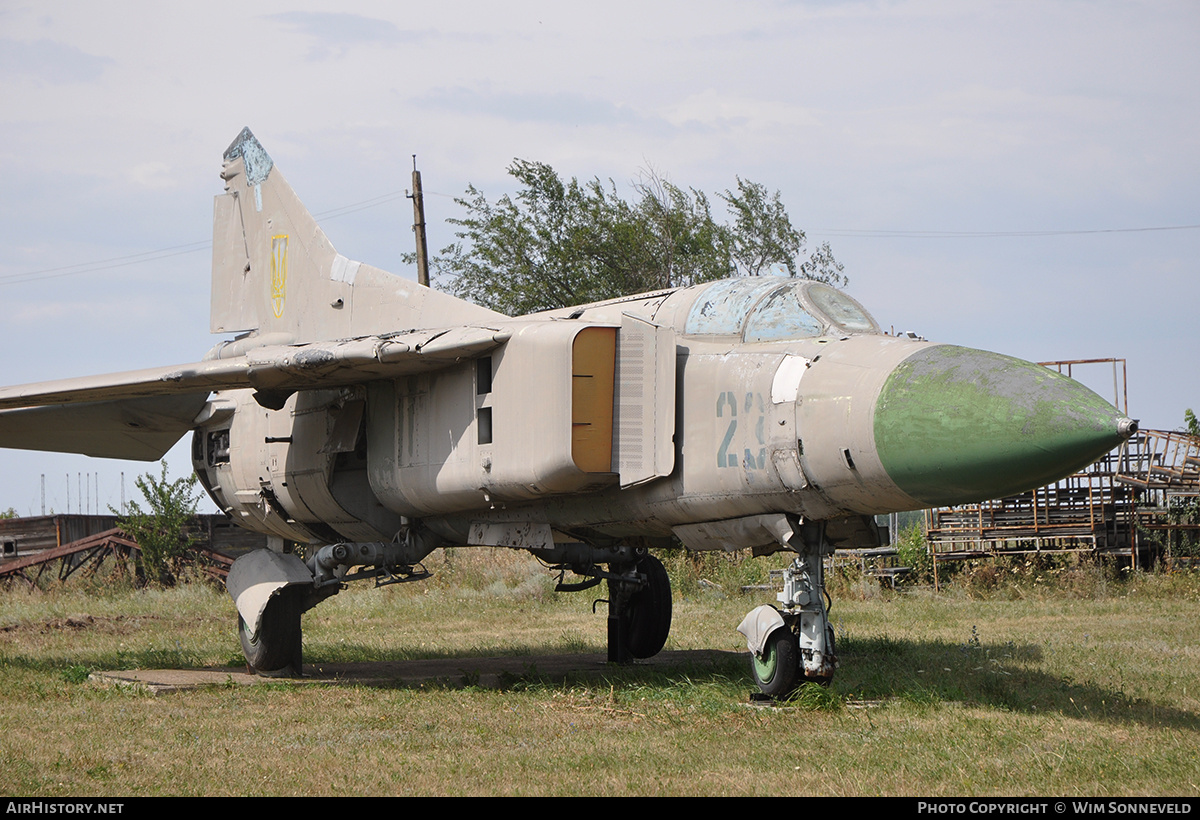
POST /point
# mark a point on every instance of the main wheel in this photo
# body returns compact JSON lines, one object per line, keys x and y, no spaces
{"x":275,"y":651}
{"x":777,"y":672}
{"x":650,"y":610}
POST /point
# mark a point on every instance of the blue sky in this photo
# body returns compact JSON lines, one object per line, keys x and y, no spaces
{"x":1020,"y":177}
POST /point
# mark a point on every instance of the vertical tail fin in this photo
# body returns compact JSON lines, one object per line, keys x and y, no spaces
{"x":267,"y":249}
{"x":275,"y":272}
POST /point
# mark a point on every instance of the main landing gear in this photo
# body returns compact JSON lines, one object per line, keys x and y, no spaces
{"x":639,"y":594}
{"x":274,"y":649}
{"x":271,"y":590}
{"x":639,"y":611}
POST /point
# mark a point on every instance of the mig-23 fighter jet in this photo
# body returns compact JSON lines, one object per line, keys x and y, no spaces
{"x":373,"y":420}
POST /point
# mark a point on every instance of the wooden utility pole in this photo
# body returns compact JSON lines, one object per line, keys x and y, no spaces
{"x":419,"y":226}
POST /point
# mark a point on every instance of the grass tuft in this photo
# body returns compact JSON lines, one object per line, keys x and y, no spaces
{"x":813,"y":697}
{"x":76,"y":674}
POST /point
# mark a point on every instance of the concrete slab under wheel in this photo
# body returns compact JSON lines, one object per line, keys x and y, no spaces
{"x":487,"y":672}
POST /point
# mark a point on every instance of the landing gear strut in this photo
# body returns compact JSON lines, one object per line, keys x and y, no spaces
{"x":639,"y":593}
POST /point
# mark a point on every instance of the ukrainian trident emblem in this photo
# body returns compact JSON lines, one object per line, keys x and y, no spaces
{"x":278,"y":273}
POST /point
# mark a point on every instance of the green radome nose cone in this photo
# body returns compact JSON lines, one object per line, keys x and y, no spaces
{"x":955,"y":425}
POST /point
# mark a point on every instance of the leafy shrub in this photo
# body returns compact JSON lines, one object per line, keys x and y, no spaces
{"x":162,"y":530}
{"x":912,"y":550}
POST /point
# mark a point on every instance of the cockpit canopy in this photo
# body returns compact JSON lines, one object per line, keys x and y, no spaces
{"x":774,"y":309}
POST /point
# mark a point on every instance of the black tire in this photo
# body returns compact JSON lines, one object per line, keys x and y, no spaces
{"x":275,"y":650}
{"x":650,"y":610}
{"x":777,"y":673}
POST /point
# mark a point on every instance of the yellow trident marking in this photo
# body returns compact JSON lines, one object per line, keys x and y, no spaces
{"x":278,"y":273}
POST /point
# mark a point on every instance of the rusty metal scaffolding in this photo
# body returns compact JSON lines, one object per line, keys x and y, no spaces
{"x":87,"y":555}
{"x":1163,"y":470}
{"x":1133,"y":502}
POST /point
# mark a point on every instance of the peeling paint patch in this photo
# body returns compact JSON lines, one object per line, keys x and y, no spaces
{"x":722,"y":307}
{"x":256,"y":159}
{"x":513,"y":534}
{"x":314,"y":359}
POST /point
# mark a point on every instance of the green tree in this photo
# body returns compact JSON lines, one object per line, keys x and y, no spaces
{"x":1183,"y":511}
{"x":162,"y":529}
{"x":9,"y":513}
{"x":560,"y":243}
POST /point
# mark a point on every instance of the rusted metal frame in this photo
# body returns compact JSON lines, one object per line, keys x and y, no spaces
{"x":1125,"y":389}
{"x":1088,"y":539}
{"x":1092,"y":508}
{"x":68,"y":565}
{"x":111,"y":549}
{"x":1093,"y":502}
{"x":90,"y":547}
{"x":216,"y":565}
{"x":9,"y":577}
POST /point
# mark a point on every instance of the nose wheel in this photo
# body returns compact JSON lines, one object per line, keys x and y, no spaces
{"x":777,"y":669}
{"x":792,"y":644}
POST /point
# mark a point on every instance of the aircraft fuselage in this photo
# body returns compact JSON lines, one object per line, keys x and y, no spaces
{"x":672,"y":414}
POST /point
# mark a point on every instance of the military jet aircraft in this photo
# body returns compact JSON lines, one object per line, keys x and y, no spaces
{"x":362,"y":421}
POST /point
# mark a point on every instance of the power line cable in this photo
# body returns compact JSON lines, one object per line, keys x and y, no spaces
{"x":383,"y":199}
{"x":885,"y":234}
{"x":176,"y":250}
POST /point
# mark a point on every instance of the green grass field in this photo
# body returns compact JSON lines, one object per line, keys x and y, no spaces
{"x":1087,"y":685}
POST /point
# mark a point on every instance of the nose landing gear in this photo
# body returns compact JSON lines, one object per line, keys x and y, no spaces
{"x":793,"y":644}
